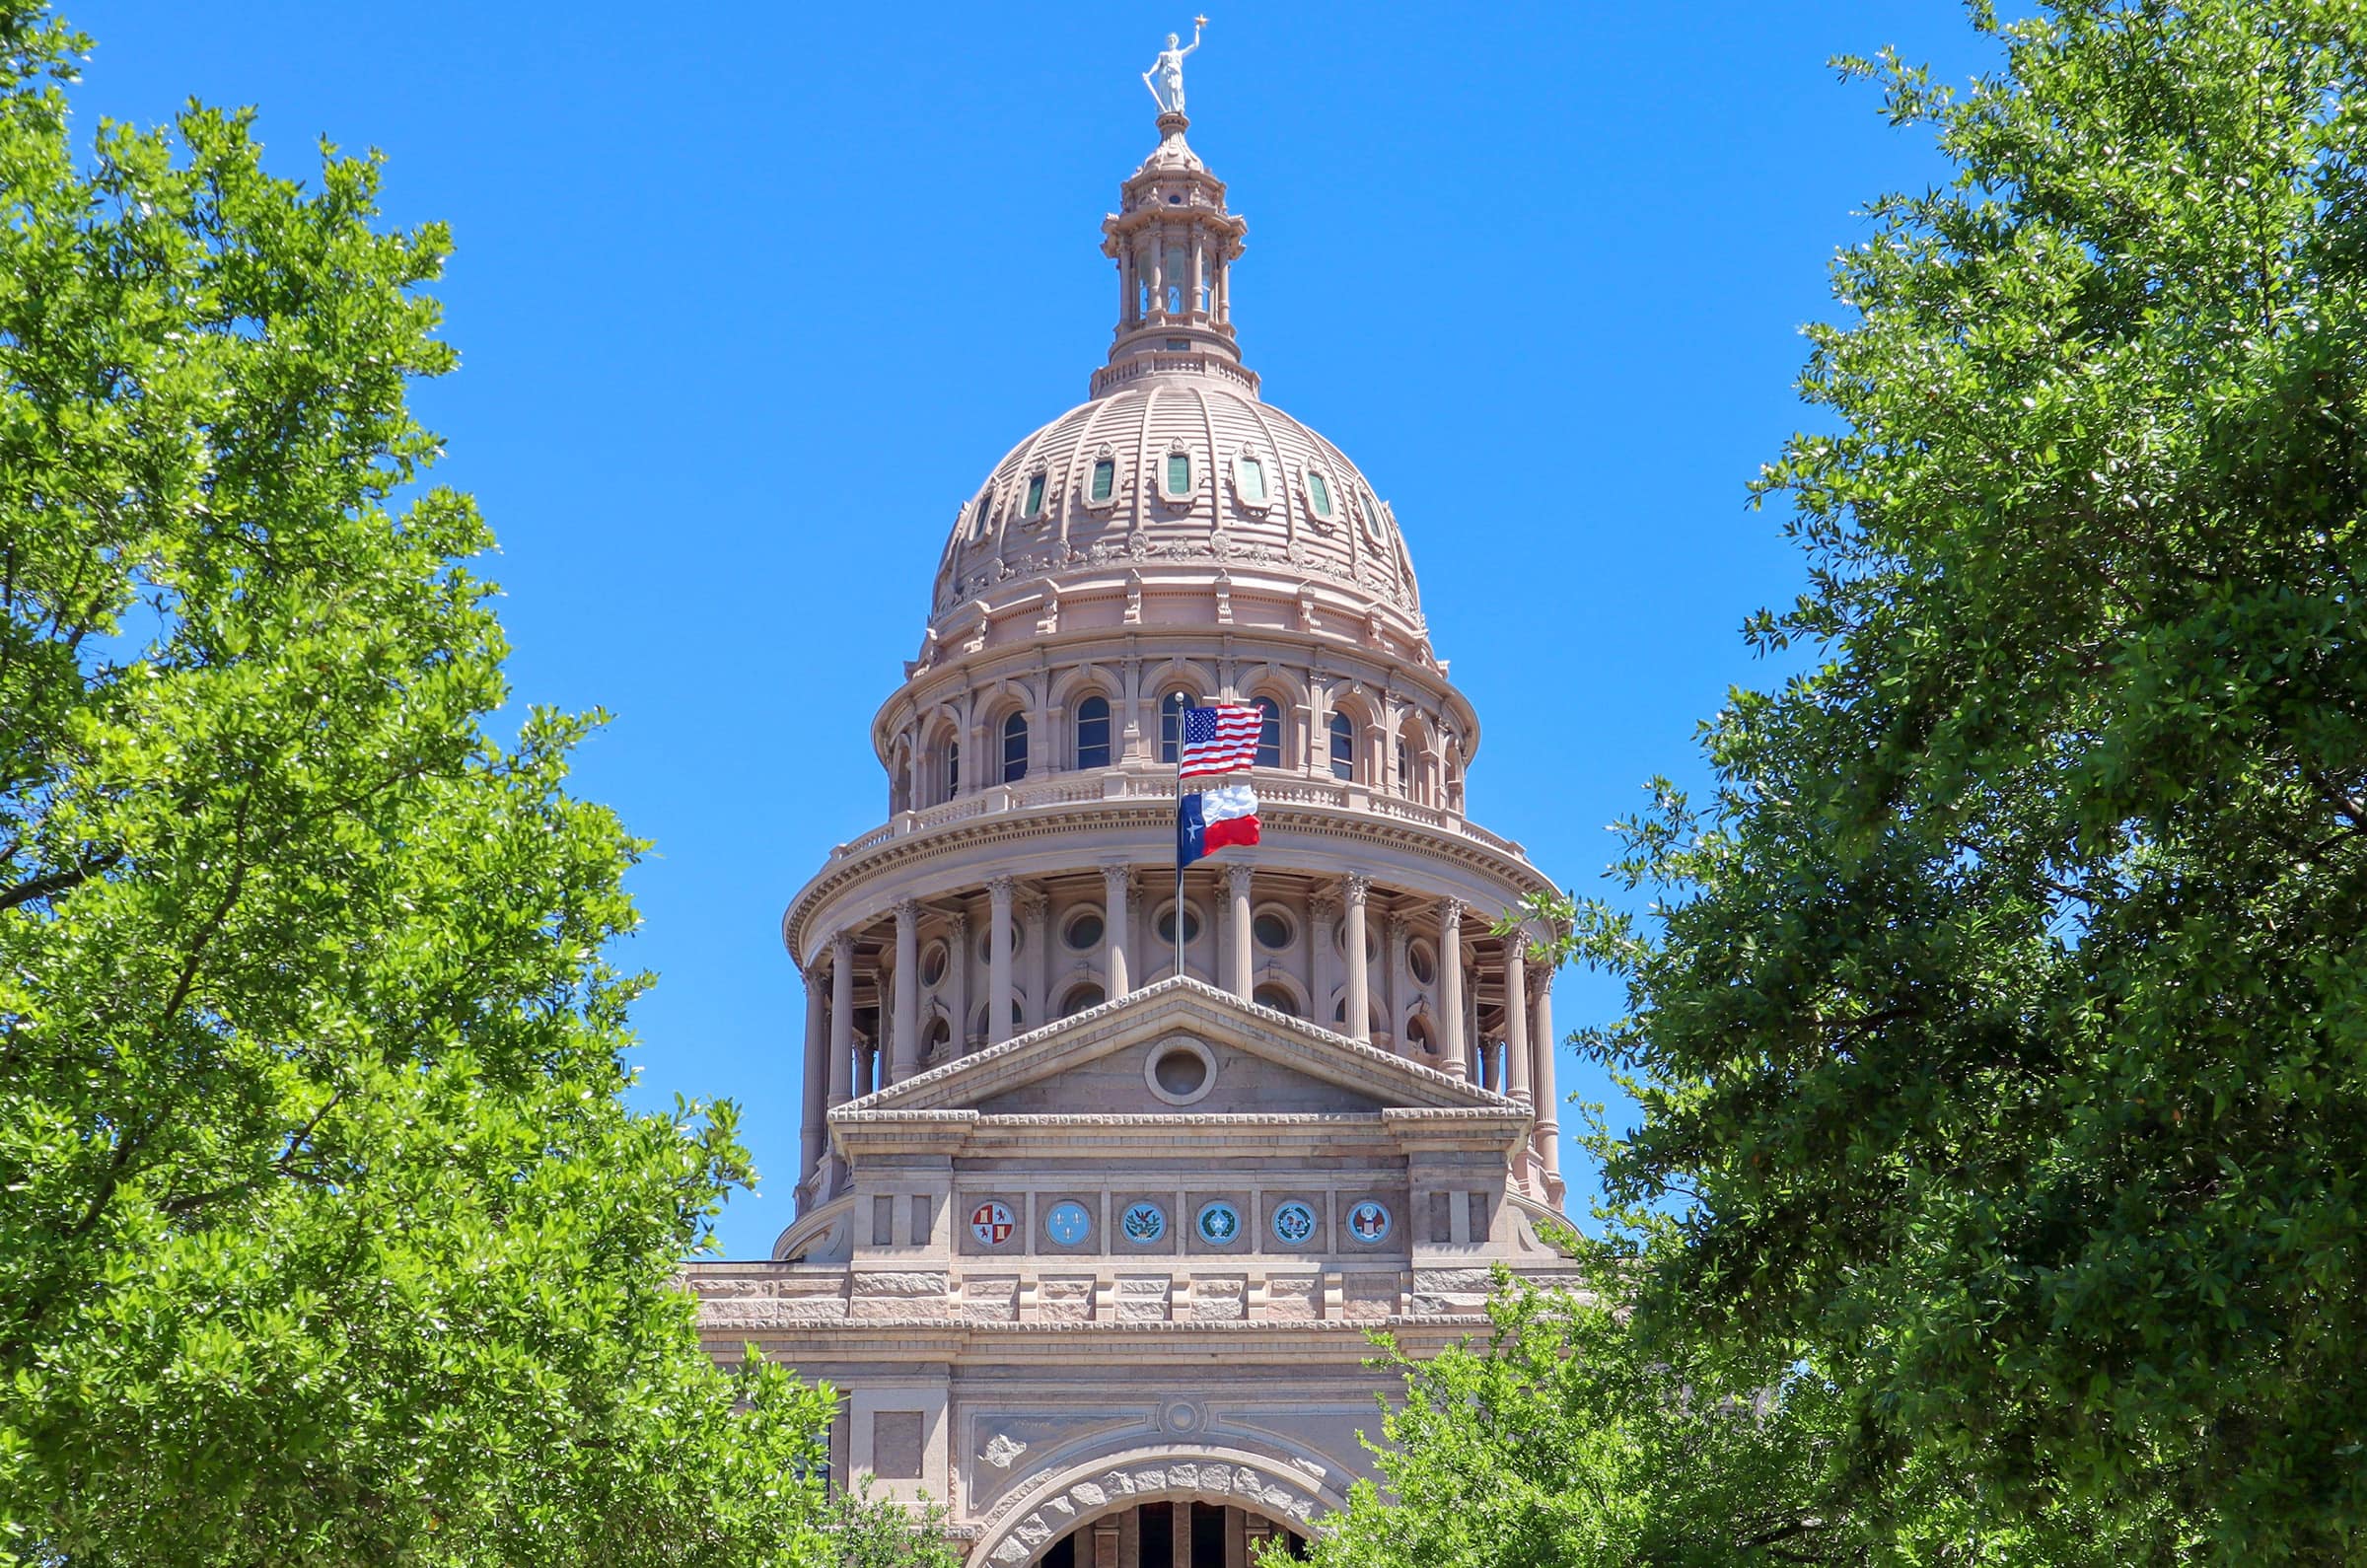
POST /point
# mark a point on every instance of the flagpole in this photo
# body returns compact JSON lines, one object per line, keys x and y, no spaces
{"x":1181,"y":723}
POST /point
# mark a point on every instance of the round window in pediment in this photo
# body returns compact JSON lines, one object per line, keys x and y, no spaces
{"x":1180,"y":1071}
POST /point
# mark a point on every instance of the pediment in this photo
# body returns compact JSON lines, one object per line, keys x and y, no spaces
{"x":1184,"y":1047}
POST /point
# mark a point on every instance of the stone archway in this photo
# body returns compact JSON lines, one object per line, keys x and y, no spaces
{"x":1058,"y":1501}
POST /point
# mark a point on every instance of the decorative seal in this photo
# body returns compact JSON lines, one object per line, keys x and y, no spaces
{"x":991,"y":1223}
{"x":1294,"y":1223}
{"x":1143,"y":1222}
{"x":1068,"y":1224}
{"x":1218,"y":1223}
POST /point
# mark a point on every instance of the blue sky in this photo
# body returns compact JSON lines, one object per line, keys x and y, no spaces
{"x":750,"y":298}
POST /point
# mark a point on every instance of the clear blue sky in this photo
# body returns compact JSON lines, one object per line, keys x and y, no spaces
{"x":750,"y":298}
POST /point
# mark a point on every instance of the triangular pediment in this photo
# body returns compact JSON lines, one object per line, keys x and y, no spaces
{"x":1139,"y":1053}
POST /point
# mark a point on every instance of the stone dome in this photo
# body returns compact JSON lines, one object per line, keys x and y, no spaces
{"x":1178,"y":462}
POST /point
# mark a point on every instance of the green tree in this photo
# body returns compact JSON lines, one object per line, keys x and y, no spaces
{"x":325,"y":1234}
{"x":1572,"y":1438}
{"x":2000,"y":1024}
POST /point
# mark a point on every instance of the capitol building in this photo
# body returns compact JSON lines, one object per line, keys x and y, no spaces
{"x":1089,"y":1243}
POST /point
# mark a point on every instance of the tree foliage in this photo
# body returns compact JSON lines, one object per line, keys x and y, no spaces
{"x":325,"y":1234}
{"x":1575,"y":1437}
{"x":2001,"y":1024}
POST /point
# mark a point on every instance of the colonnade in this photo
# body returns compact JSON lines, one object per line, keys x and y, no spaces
{"x":833,"y":1053}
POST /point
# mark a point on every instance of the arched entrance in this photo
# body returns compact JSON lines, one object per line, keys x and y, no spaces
{"x":1173,"y":1507}
{"x":1181,"y":1532}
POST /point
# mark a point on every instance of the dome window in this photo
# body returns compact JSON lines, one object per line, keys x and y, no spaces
{"x":1166,"y":925}
{"x":953,"y":768}
{"x":977,"y":516}
{"x":1269,"y":733}
{"x":1277,"y":998}
{"x":1404,"y":768}
{"x":1034,"y":502}
{"x":1249,"y":478}
{"x":1105,"y":479}
{"x":1178,"y":474}
{"x":1093,"y":731}
{"x":1318,"y":495}
{"x":1372,"y":515}
{"x":1084,"y":931}
{"x":1079,"y":998}
{"x":1273,"y":930}
{"x":1014,"y":748}
{"x":1344,"y":747}
{"x":1171,"y":723}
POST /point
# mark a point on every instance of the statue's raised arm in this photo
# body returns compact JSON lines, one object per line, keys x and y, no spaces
{"x":1165,"y":78}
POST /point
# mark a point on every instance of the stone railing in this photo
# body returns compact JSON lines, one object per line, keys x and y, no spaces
{"x":781,"y":1296}
{"x":1128,"y":784}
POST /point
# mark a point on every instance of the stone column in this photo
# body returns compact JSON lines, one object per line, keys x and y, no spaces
{"x":1178,"y":1515}
{"x":1035,"y":911}
{"x":1237,"y":884}
{"x":1516,"y":1017}
{"x":1360,"y":996}
{"x":1450,"y":988}
{"x":998,"y":961}
{"x":842,"y":1045}
{"x":1323,"y":911}
{"x":815,"y":1130}
{"x":1400,"y":993}
{"x":1548,"y":1100}
{"x":903,"y":1043}
{"x":843,"y":1019}
{"x":956,"y":978}
{"x":1114,"y":931}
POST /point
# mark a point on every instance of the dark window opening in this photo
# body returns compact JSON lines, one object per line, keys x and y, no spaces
{"x":1093,"y":731}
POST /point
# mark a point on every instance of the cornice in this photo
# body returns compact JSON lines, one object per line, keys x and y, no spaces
{"x":906,"y":851}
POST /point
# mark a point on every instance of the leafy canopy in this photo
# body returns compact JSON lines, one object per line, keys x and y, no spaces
{"x":325,"y":1234}
{"x":2002,"y":1018}
{"x":1575,"y":1438}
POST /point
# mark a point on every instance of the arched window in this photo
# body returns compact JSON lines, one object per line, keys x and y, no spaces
{"x":1276,"y":997}
{"x":1079,"y":998}
{"x":1014,"y":748}
{"x":1269,"y":733}
{"x":1093,"y":731}
{"x":953,"y":768}
{"x":1170,"y":724}
{"x":1404,"y":767}
{"x":1344,"y":747}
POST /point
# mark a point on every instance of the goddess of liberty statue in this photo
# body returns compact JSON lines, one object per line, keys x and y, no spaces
{"x":1165,"y":78}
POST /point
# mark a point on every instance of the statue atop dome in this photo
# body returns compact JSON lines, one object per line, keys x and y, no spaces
{"x":1165,"y":78}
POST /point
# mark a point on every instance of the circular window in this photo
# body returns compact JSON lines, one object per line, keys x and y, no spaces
{"x":1218,"y":1223}
{"x":1368,"y":1222}
{"x":1273,"y":996}
{"x":932,"y":966}
{"x":1067,"y":1222}
{"x":1143,"y":1222}
{"x":1084,"y":932}
{"x":1272,"y":929}
{"x":1294,"y":1223}
{"x":1422,"y":962}
{"x":1180,"y":1071}
{"x":1079,"y":998}
{"x":1167,"y":924}
{"x":1018,"y":939}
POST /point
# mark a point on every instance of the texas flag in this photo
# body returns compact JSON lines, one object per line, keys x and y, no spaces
{"x":1212,"y":818}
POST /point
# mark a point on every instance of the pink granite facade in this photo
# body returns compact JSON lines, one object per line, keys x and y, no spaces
{"x":1091,"y":1247}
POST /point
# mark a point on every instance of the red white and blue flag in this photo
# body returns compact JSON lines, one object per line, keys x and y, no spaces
{"x":1218,"y":739}
{"x":1213,"y":819}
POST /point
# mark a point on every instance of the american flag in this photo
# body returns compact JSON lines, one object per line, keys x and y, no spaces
{"x":1218,"y":739}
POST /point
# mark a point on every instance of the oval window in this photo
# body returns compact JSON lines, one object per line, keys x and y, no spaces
{"x":1272,"y":930}
{"x":1191,"y":924}
{"x":1085,"y":931}
{"x":1180,"y":1072}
